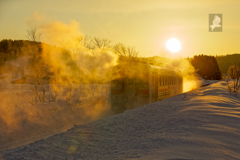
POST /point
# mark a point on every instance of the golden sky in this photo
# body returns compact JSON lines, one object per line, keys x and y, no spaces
{"x":145,"y":24}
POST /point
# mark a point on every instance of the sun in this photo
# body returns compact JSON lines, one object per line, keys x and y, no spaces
{"x":173,"y":45}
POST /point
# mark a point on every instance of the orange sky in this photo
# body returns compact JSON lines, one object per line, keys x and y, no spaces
{"x":145,"y":24}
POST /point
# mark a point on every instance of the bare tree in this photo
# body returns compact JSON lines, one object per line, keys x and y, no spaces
{"x":33,"y":34}
{"x":128,"y":54}
{"x":234,"y":73}
{"x":87,"y":42}
{"x":101,"y":42}
{"x":78,"y":44}
{"x":93,"y":43}
{"x":74,"y":45}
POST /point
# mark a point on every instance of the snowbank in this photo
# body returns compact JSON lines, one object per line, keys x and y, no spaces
{"x":201,"y":124}
{"x":22,"y":122}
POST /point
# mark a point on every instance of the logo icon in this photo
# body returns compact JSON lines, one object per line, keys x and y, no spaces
{"x":215,"y":22}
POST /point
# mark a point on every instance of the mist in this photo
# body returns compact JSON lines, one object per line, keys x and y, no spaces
{"x":190,"y":79}
{"x":66,"y":80}
{"x":65,"y":83}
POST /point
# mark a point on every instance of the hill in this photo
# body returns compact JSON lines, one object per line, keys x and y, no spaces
{"x":224,"y":62}
{"x":12,"y":49}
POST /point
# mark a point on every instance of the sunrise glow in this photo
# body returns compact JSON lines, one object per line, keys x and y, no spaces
{"x":173,"y":45}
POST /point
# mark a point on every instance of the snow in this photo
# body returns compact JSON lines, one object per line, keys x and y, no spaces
{"x":200,"y":124}
{"x":22,"y":122}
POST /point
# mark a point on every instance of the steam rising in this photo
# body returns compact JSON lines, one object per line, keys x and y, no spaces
{"x":72,"y":60}
{"x":79,"y":71}
{"x":53,"y":32}
{"x":73,"y":63}
{"x":79,"y":85}
{"x":183,"y":65}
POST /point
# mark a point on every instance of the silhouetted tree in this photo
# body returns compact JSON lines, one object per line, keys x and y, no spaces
{"x":33,"y":34}
{"x":234,"y":73}
{"x":206,"y":67}
{"x":78,"y":44}
{"x":126,"y":54}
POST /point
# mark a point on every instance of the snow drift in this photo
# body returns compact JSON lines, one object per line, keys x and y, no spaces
{"x":201,"y":124}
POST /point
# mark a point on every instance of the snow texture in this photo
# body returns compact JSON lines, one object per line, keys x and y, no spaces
{"x":201,"y":124}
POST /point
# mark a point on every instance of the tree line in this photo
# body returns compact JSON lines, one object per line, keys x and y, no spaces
{"x":207,"y":67}
{"x":226,"y":61}
{"x":12,"y":49}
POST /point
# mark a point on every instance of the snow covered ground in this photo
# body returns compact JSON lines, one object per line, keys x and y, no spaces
{"x":23,"y":120}
{"x":201,"y":124}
